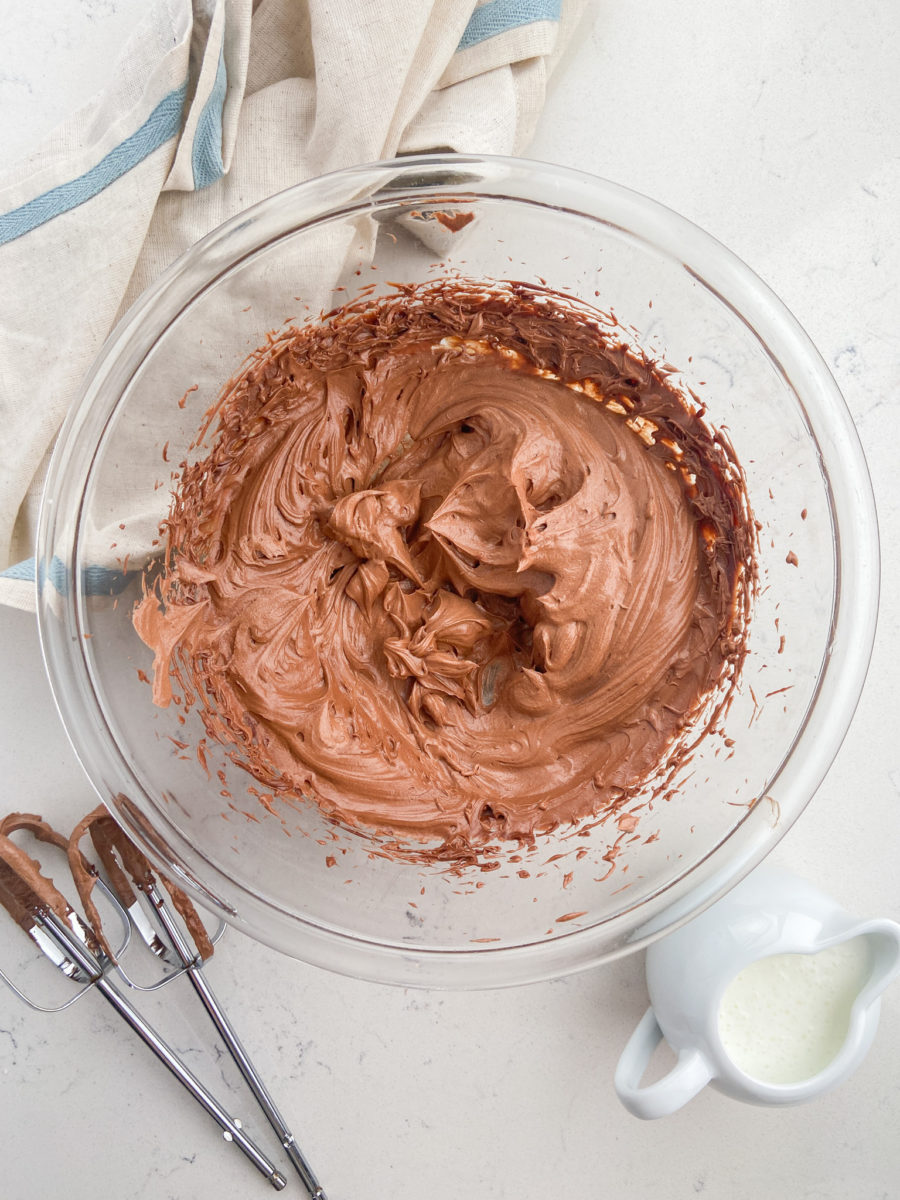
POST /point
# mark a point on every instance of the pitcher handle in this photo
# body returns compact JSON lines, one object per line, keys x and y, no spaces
{"x":683,"y":1082}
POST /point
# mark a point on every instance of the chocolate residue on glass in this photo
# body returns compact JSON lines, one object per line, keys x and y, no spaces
{"x":454,"y":221}
{"x":460,"y":565}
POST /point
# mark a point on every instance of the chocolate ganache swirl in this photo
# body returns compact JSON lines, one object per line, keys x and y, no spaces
{"x":460,"y":565}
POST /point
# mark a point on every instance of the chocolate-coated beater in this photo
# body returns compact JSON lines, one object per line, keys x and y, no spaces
{"x":80,"y":950}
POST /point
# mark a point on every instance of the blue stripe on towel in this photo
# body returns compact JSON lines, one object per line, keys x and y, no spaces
{"x":21,"y":570}
{"x":206,"y":153}
{"x":162,"y":124}
{"x":98,"y":581}
{"x":500,"y":15}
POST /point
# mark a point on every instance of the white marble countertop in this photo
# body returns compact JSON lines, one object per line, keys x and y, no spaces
{"x":774,"y":126}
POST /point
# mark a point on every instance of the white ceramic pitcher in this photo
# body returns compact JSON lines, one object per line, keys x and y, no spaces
{"x":772,"y":912}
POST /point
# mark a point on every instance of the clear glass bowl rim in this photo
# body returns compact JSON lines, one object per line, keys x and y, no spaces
{"x":736,"y":286}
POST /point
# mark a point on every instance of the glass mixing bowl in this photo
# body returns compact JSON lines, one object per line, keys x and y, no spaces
{"x":286,"y":875}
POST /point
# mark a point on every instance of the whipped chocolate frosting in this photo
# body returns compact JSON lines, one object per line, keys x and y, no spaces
{"x":460,"y":566}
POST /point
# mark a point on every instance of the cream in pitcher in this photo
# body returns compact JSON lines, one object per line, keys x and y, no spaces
{"x":771,"y":995}
{"x":784,"y":1018}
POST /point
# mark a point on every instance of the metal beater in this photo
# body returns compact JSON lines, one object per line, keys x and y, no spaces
{"x":80,"y":950}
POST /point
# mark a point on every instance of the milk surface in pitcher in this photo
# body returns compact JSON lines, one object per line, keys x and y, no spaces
{"x":785,"y":1017}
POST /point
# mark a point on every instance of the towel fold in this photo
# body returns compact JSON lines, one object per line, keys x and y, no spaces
{"x":212,"y":107}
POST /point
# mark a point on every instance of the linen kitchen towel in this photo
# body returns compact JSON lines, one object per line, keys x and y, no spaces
{"x":214,"y":106}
